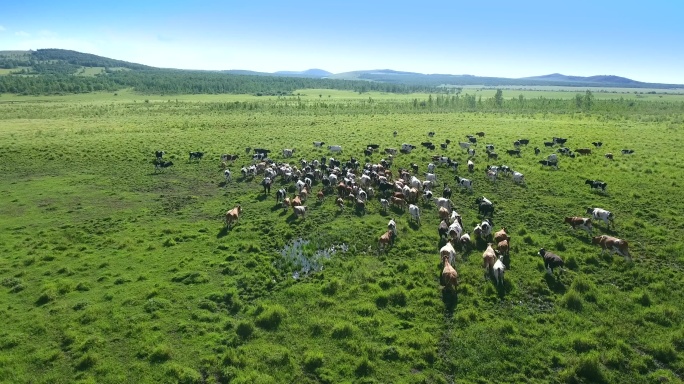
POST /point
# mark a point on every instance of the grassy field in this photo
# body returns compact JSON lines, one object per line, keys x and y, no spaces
{"x":112,"y":272}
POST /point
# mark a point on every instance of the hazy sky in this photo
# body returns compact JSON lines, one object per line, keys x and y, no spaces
{"x":642,"y":40}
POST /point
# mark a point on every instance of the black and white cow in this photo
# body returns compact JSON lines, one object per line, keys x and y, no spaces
{"x":596,"y":184}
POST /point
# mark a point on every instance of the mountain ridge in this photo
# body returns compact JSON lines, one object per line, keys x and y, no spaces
{"x":71,"y":59}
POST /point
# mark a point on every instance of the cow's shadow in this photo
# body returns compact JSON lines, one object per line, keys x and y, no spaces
{"x":223,"y":232}
{"x":554,"y":284}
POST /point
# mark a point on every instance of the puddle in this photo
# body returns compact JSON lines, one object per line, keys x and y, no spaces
{"x":302,"y":257}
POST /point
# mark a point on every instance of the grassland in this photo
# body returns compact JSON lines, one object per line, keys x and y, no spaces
{"x":114,"y":273}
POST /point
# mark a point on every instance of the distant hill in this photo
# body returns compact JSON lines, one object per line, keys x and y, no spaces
{"x":72,"y":65}
{"x":591,"y":79}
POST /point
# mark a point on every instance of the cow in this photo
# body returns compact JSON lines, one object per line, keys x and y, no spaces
{"x":442,"y":202}
{"x":597,"y":144}
{"x":501,"y":235}
{"x":227,"y":174}
{"x":627,"y":151}
{"x":488,"y":260}
{"x":444,"y":145}
{"x":551,"y":260}
{"x":464,"y":241}
{"x":398,"y":202}
{"x":609,"y":156}
{"x":299,"y":211}
{"x":287,"y":152}
{"x":196,"y":155}
{"x":318,"y":144}
{"x":480,"y":134}
{"x":559,"y":140}
{"x":471,"y":152}
{"x":392,"y":226}
{"x":281,"y":194}
{"x":384,"y":204}
{"x":549,"y":143}
{"x":446,"y":192}
{"x":443,"y":229}
{"x":161,"y":165}
{"x":512,"y":152}
{"x":518,"y":177}
{"x":233,"y":215}
{"x":549,"y":163}
{"x":471,"y":166}
{"x":455,"y":230}
{"x":504,"y":248}
{"x":426,"y":144}
{"x":262,"y":150}
{"x":373,"y":146}
{"x":465,"y":183}
{"x":266,"y":183}
{"x":583,"y":151}
{"x":537,"y":151}
{"x":391,"y":151}
{"x":449,"y":275}
{"x":414,"y":211}
{"x":431,"y":134}
{"x":463,"y":145}
{"x":159,"y":154}
{"x":443,"y":213}
{"x":335,"y":148}
{"x":492,"y":155}
{"x":485,"y":207}
{"x":524,"y":141}
{"x":448,"y":252}
{"x":486,"y":227}
{"x":472,"y":140}
{"x":580,"y":222}
{"x":489,"y":147}
{"x":614,"y":244}
{"x":602,"y":214}
{"x":498,"y":270}
{"x":595,"y":184}
{"x":386,"y":240}
{"x":395,"y":133}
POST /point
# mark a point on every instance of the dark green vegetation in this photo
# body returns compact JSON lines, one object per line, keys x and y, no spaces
{"x":56,"y":71}
{"x":113,"y":273}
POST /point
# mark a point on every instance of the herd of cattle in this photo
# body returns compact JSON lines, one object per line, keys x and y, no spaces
{"x":399,"y":189}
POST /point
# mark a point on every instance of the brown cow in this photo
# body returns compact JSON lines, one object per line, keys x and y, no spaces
{"x":503,"y":248}
{"x":480,"y":134}
{"x":580,"y":222}
{"x":398,"y":202}
{"x":501,"y":235}
{"x":488,"y":259}
{"x":321,"y":195}
{"x":386,"y":240}
{"x":614,"y":244}
{"x":449,"y":274}
{"x":443,"y":213}
{"x":233,"y":215}
{"x":583,"y":151}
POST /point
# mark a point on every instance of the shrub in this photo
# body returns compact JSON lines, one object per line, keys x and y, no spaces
{"x":271,"y":317}
{"x":86,"y":361}
{"x":583,"y":344}
{"x":331,"y":288}
{"x":160,"y":354}
{"x":183,"y":375}
{"x":313,"y":361}
{"x":364,"y":368}
{"x":342,"y":331}
{"x":572,"y":301}
{"x":245,"y":330}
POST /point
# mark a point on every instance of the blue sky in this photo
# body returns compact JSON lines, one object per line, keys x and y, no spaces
{"x":642,"y":40}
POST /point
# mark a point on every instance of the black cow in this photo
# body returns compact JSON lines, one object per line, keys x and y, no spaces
{"x":597,"y":144}
{"x":524,"y":141}
{"x":161,"y":165}
{"x":431,"y":147}
{"x":537,"y":150}
{"x":368,"y":152}
{"x":446,"y":192}
{"x":373,"y":146}
{"x":262,"y":150}
{"x":595,"y":184}
{"x":196,"y":155}
{"x":414,"y":167}
{"x":431,"y":134}
{"x":444,"y":145}
{"x":549,"y":143}
{"x":517,"y":143}
{"x":485,"y":207}
{"x":159,"y":154}
{"x":551,"y":260}
{"x":473,"y":140}
{"x":627,"y":151}
{"x":559,"y":140}
{"x":549,"y":163}
{"x":426,"y":144}
{"x":512,"y":152}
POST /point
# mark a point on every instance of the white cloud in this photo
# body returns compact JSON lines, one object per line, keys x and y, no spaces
{"x":22,"y":34}
{"x":2,"y":28}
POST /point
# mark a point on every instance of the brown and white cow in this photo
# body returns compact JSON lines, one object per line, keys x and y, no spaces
{"x":580,"y":222}
{"x":614,"y":244}
{"x":233,"y":215}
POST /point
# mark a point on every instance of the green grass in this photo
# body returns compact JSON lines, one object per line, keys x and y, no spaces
{"x":114,"y":273}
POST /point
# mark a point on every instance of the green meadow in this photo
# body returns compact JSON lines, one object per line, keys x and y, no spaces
{"x":113,"y":272}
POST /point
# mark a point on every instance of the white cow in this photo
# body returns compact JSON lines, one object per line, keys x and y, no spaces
{"x":415,"y":182}
{"x":602,"y":214}
{"x":455,"y":230}
{"x":552,"y":157}
{"x":463,"y":145}
{"x":227,"y":174}
{"x":288,"y":152}
{"x":335,"y":148}
{"x":518,"y":177}
{"x":443,"y":202}
{"x":392,"y":226}
{"x":448,"y":251}
{"x":384,"y":204}
{"x":431,"y":168}
{"x":318,"y":144}
{"x":415,"y":212}
{"x":498,"y":270}
{"x":431,"y":177}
